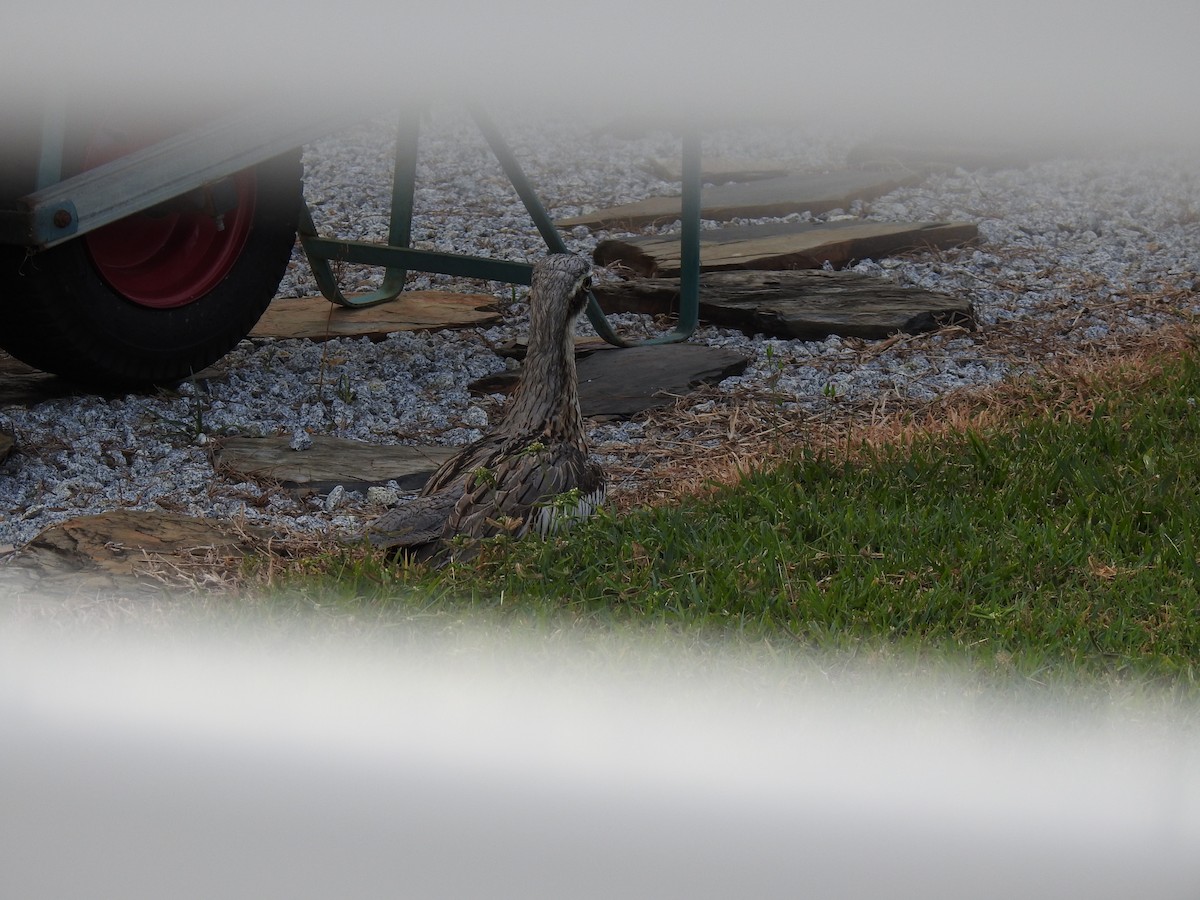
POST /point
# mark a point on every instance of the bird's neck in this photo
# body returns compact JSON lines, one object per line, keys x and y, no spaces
{"x":547,"y":399}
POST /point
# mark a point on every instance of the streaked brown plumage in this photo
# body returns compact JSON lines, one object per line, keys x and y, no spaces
{"x":531,"y":469}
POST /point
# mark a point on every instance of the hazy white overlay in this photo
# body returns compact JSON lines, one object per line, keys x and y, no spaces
{"x":1110,"y":67}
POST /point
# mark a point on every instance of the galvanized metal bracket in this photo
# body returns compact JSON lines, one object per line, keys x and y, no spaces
{"x":59,"y":210}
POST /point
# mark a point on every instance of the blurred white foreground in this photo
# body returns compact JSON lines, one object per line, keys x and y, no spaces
{"x":177,"y":765}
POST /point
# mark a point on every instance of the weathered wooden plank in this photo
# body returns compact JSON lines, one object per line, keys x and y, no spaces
{"x":22,"y":385}
{"x":788,"y":245}
{"x":328,"y":462}
{"x":944,"y":153}
{"x":804,"y":304}
{"x":813,"y":192}
{"x":716,"y":170}
{"x":129,"y":543}
{"x":634,"y":379}
{"x":317,"y":319}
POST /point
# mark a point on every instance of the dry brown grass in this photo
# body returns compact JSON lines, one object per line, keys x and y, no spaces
{"x":743,"y":432}
{"x":1056,"y":370}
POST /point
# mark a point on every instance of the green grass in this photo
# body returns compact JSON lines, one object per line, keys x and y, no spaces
{"x":1045,"y":549}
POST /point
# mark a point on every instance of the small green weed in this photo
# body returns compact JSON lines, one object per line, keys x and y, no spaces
{"x":191,"y":425}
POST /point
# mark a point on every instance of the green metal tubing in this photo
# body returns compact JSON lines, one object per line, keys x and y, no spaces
{"x":537,"y":212}
{"x":689,"y":282}
{"x":689,"y":250}
{"x":398,"y":257}
{"x":514,"y":172}
{"x":371,"y":254}
{"x":689,"y":255}
{"x":404,"y":184}
{"x":322,"y":272}
{"x":404,"y":178}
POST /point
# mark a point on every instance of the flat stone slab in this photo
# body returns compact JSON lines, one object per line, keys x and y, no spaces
{"x":623,"y":381}
{"x":584,"y":344}
{"x":126,"y":543}
{"x":330,"y":461}
{"x":807,"y":304}
{"x":617,"y":384}
{"x":518,"y":348}
{"x":315,"y":318}
{"x":627,"y":380}
{"x":811,"y":192}
{"x":789,"y":245}
{"x":633,"y":379}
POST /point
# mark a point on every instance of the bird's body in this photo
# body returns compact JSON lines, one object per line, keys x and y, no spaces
{"x":531,"y":471}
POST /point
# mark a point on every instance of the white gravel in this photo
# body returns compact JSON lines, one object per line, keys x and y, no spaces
{"x":1075,"y":234}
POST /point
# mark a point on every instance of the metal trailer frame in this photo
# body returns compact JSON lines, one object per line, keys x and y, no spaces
{"x":62,"y":209}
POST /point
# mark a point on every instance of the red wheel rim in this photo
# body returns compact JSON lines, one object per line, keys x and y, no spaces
{"x":165,"y":260}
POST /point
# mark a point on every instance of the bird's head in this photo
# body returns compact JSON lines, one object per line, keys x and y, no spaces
{"x":561,"y":281}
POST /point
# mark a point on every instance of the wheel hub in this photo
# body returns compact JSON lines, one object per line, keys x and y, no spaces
{"x":172,"y":255}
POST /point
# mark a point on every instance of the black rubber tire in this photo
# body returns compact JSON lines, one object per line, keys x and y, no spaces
{"x":59,"y":315}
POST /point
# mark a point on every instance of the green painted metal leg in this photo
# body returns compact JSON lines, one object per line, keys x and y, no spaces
{"x":537,"y":212}
{"x":516,"y":175}
{"x":689,"y":255}
{"x":322,"y":271}
{"x":404,"y":177}
{"x":690,"y":263}
{"x":397,"y":254}
{"x":689,"y":251}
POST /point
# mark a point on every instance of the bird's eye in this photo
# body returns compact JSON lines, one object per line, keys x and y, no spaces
{"x":587,"y":283}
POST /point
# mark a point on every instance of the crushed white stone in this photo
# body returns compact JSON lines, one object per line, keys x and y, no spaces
{"x":1074,"y":234}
